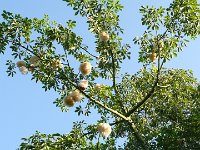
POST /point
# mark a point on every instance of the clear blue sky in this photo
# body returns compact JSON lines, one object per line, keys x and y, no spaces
{"x":25,"y":107}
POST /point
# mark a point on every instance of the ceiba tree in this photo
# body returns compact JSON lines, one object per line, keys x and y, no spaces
{"x":156,"y":108}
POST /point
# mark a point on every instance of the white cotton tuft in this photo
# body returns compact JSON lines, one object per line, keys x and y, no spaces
{"x":34,"y":60}
{"x":104,"y":129}
{"x":20,"y":63}
{"x":76,"y":95}
{"x":23,"y":70}
{"x":83,"y":85}
{"x":85,"y":68}
{"x":104,"y":36}
{"x":98,"y":87}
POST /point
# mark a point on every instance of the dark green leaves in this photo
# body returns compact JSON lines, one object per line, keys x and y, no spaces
{"x":152,"y":17}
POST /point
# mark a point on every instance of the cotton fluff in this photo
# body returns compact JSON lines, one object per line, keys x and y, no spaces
{"x":104,"y":129}
{"x":104,"y":36}
{"x":20,"y":63}
{"x":83,"y":85}
{"x":68,"y":101}
{"x":76,"y":95}
{"x":85,"y":68}
{"x":23,"y":70}
{"x":34,"y":60}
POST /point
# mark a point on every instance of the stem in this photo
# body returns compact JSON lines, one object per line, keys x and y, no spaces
{"x":66,"y":58}
{"x":155,"y":83}
{"x":83,"y":48}
{"x":98,"y":142}
{"x":100,"y":104}
{"x":144,"y":100}
{"x":117,"y":122}
{"x":113,"y":71}
{"x":114,"y":80}
{"x":138,"y":137}
{"x":149,"y":94}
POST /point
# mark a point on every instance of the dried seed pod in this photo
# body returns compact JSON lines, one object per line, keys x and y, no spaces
{"x":83,"y":85}
{"x":20,"y":63}
{"x":104,"y":129}
{"x":68,"y":101}
{"x":85,"y":68}
{"x":104,"y":36}
{"x":76,"y":95}
{"x":152,"y":56}
{"x":23,"y":70}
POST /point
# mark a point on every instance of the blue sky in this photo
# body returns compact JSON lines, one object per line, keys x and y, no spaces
{"x":25,"y":107}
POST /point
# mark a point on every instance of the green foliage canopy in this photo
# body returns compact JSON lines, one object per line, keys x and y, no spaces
{"x":156,"y":108}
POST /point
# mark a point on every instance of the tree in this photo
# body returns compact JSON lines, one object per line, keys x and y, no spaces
{"x":156,"y":108}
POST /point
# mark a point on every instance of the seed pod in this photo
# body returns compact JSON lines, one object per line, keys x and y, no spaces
{"x":85,"y":68}
{"x":20,"y":63}
{"x":23,"y":70}
{"x":104,"y":129}
{"x":68,"y":101}
{"x":83,"y":85}
{"x":104,"y":36}
{"x":76,"y":95}
{"x":152,"y":56}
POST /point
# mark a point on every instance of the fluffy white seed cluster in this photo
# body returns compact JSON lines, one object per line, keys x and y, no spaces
{"x":98,"y":87}
{"x":104,"y":129}
{"x":83,"y":85}
{"x":153,"y":56}
{"x":34,"y":61}
{"x":22,"y":67}
{"x":85,"y":68}
{"x":73,"y":97}
{"x":23,"y":70}
{"x":56,"y":64}
{"x":104,"y":36}
{"x":20,"y":63}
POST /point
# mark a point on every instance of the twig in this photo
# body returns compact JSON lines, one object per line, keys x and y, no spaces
{"x":83,"y":48}
{"x":114,"y":80}
{"x":117,"y":122}
{"x":98,"y":142}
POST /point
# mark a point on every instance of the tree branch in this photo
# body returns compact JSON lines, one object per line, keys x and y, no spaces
{"x":144,"y":100}
{"x":138,"y":137}
{"x":114,"y":80}
{"x":83,"y":48}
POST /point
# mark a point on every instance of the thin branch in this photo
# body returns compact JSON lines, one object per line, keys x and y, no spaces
{"x":117,"y":122}
{"x":144,"y":100}
{"x":98,"y":142}
{"x":100,"y":104}
{"x":83,"y":48}
{"x":30,"y":51}
{"x":114,"y":80}
{"x":155,"y":83}
{"x":138,"y":137}
{"x":66,"y":58}
{"x":113,"y":71}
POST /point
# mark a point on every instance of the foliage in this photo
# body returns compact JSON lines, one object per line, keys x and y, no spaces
{"x":156,"y":108}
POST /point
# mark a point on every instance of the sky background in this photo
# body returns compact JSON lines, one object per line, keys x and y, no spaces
{"x":25,"y":107}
